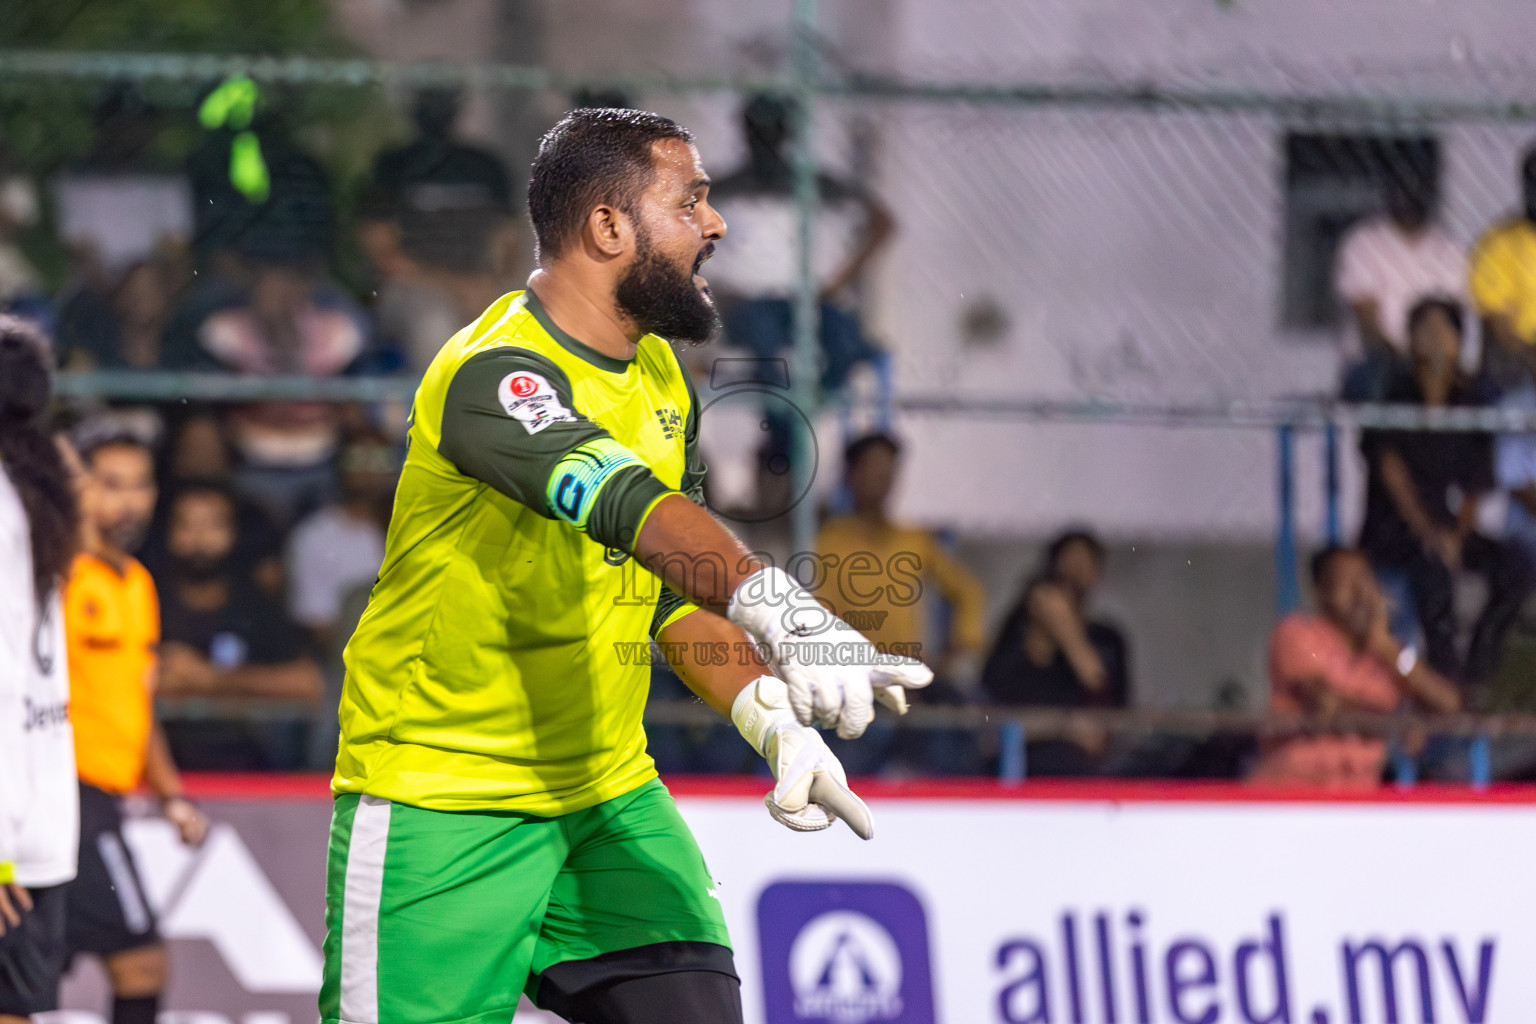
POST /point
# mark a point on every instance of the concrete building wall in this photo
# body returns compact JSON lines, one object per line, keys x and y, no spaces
{"x":1131,"y":257}
{"x":1137,"y":257}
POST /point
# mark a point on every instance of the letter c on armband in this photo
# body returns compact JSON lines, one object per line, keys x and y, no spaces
{"x":579,"y":477}
{"x":568,"y":495}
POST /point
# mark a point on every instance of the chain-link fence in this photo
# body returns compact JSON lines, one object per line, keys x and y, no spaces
{"x":1145,"y":270}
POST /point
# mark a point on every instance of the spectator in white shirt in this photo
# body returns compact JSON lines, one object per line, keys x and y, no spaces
{"x":1385,"y":266}
{"x":339,"y":548}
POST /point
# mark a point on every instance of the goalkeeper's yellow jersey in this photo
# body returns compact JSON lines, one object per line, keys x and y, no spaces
{"x":501,"y":662}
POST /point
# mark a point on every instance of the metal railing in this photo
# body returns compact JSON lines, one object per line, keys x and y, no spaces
{"x":1324,"y":417}
{"x":811,"y":73}
{"x":1014,"y":727}
{"x":1010,"y":729}
{"x":1302,"y":413}
{"x":1295,"y":106}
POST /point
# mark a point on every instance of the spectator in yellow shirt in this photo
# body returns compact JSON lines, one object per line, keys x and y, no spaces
{"x":1504,"y":271}
{"x":875,"y":574}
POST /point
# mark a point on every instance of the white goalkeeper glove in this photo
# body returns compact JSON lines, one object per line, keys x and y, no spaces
{"x":812,"y":790}
{"x":800,"y":632}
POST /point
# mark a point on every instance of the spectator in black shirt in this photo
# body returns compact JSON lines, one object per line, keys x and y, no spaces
{"x":222,"y":637}
{"x":200,"y":453}
{"x":1051,"y":654}
{"x":120,"y":327}
{"x":1421,"y":503}
{"x":450,"y":196}
{"x":437,"y":226}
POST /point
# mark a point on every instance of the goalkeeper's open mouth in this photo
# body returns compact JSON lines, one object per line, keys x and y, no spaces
{"x":699,"y":280}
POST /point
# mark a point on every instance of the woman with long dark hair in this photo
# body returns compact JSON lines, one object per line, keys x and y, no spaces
{"x":39,"y":810}
{"x":1050,"y":653}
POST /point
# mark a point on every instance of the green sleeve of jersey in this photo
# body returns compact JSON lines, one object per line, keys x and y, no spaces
{"x":672,"y":605}
{"x":509,"y":422}
{"x":693,"y":472}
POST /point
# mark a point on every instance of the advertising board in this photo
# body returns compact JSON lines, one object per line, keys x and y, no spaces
{"x":975,"y":904}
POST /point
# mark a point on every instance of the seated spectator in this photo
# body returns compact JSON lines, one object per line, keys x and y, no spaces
{"x":221,"y":636}
{"x":21,"y":286}
{"x":200,"y":449}
{"x":120,"y":327}
{"x":874,"y":574}
{"x":1422,"y":499}
{"x":449,"y":198}
{"x":263,"y":303}
{"x":1342,"y":658}
{"x":437,"y":227}
{"x":124,"y":212}
{"x":340,"y":547}
{"x":1386,"y":265}
{"x":1504,"y":285}
{"x":199,"y":453}
{"x":1050,"y":653}
{"x":279,"y":317}
{"x":256,"y":192}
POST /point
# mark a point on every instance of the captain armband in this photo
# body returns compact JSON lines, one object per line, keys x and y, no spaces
{"x":578,"y":478}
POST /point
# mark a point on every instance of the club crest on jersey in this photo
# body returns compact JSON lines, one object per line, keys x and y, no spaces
{"x":531,"y":400}
{"x":671,"y":423}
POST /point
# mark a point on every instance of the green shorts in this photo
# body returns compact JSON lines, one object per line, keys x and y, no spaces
{"x":436,"y":917}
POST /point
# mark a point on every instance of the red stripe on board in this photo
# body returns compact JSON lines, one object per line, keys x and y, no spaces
{"x":256,"y":786}
{"x":221,"y":786}
{"x":1118,"y":791}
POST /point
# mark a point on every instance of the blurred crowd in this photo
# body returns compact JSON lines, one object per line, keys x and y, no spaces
{"x":1414,"y":615}
{"x":262,"y":524}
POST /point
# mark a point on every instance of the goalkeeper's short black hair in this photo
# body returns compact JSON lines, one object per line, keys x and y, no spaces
{"x":594,"y":155}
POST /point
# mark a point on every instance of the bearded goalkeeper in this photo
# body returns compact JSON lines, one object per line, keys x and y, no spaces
{"x":499,"y":827}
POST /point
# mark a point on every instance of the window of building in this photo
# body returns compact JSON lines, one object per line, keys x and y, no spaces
{"x":1331,"y":181}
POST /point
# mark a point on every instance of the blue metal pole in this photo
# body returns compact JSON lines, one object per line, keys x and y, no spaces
{"x":1287,"y":590}
{"x":1404,"y":768}
{"x":1480,"y":762}
{"x":1011,"y":764}
{"x":1331,"y":481}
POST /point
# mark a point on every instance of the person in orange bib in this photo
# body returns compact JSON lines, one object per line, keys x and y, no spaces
{"x":112,"y":625}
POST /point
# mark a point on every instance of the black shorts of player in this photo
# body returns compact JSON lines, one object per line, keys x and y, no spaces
{"x":107,"y":910}
{"x":663,"y":983}
{"x":32,"y":956}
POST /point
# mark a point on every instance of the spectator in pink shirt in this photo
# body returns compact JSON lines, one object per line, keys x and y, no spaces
{"x":1342,"y":658}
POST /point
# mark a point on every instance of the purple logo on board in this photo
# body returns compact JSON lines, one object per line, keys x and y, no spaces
{"x":845,"y":953}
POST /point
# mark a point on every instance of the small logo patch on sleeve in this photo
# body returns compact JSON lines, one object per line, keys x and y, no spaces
{"x":532,"y":401}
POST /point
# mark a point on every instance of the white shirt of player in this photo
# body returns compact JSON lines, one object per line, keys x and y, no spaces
{"x":39,"y":798}
{"x":1379,"y":261}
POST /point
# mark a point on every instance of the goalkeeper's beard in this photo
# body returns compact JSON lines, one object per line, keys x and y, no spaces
{"x":661,"y":298}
